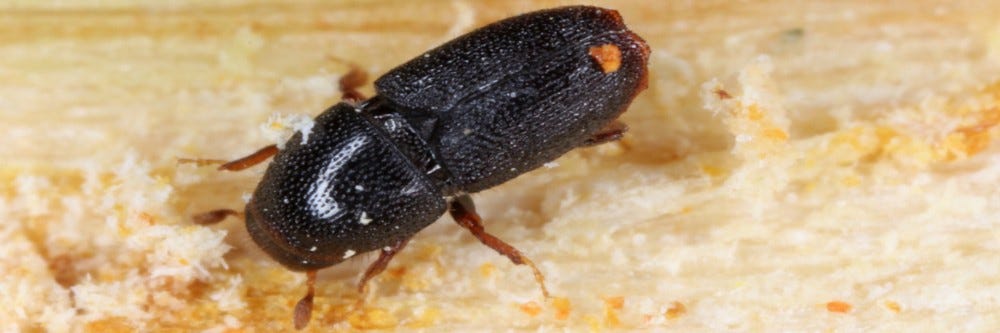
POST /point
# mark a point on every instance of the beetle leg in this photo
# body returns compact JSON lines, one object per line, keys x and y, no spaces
{"x":379,"y":265}
{"x":215,"y":216}
{"x":376,"y":268}
{"x":303,"y":309}
{"x":464,"y":212}
{"x":350,"y":82}
{"x":612,"y":132}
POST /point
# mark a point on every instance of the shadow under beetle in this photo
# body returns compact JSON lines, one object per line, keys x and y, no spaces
{"x":466,"y":116}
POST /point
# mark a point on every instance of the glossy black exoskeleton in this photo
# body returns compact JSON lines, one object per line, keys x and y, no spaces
{"x":463,"y":117}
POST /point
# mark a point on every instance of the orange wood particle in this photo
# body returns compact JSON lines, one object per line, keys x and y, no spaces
{"x":530,"y":308}
{"x":111,"y":325}
{"x":838,"y":307}
{"x":614,"y":302}
{"x":675,"y":310}
{"x":893,"y":306}
{"x":562,"y":306}
{"x":973,"y":139}
{"x":754,"y":113}
{"x":611,"y":318}
{"x":608,"y":56}
{"x":372,"y":319}
{"x":487,"y":269}
{"x":396,"y":272}
{"x":776,"y":134}
{"x":147,"y":217}
{"x":611,"y":306}
{"x":712,"y":171}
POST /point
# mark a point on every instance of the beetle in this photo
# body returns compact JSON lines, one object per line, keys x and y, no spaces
{"x":466,"y":116}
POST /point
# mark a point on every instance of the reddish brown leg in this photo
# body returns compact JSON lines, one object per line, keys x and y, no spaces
{"x":303,"y":309}
{"x":350,"y":82}
{"x":464,"y":212}
{"x":379,"y":265}
{"x":250,"y":160}
{"x":215,"y":216}
{"x":614,"y":131}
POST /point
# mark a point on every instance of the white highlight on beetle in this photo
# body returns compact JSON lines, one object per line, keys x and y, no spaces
{"x":364,"y":220}
{"x":349,"y":253}
{"x":435,"y":168}
{"x":412,"y":187}
{"x":318,"y":198}
{"x":391,"y":125}
{"x":312,"y":249}
{"x":359,"y":187}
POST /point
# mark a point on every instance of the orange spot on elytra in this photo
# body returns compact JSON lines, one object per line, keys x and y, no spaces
{"x":608,"y":56}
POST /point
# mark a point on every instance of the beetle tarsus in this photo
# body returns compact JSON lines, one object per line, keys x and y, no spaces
{"x":215,"y":216}
{"x":463,"y":211}
{"x":380,"y":264}
{"x":612,"y":132}
{"x":350,"y":82}
{"x":303,"y":309}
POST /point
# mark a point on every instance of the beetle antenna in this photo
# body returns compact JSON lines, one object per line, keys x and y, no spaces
{"x":215,"y":216}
